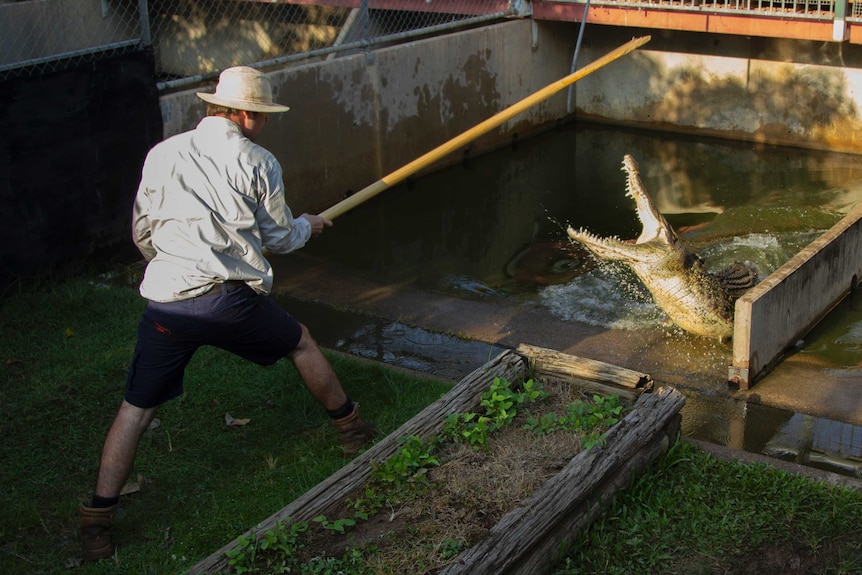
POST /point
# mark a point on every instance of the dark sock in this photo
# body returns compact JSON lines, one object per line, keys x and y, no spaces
{"x":342,"y":411}
{"x":103,"y":502}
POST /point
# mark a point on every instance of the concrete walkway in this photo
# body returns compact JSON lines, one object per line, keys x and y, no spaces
{"x":796,"y":385}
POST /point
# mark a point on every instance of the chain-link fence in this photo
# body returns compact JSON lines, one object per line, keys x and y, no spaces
{"x":194,"y":39}
{"x":43,"y":36}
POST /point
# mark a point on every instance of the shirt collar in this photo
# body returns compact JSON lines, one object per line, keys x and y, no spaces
{"x":218,"y":124}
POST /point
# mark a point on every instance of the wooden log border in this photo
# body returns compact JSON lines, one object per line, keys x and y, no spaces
{"x":588,"y":374}
{"x":529,"y":538}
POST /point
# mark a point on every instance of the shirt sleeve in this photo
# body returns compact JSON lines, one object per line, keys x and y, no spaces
{"x":280,"y":232}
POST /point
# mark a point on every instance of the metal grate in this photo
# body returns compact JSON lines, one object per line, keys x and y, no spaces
{"x":783,"y":8}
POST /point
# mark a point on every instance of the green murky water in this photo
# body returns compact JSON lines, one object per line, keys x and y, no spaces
{"x":496,"y":227}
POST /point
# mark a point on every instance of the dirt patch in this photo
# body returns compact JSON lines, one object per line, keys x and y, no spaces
{"x":782,"y":557}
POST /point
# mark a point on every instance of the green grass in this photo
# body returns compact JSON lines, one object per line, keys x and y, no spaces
{"x":694,"y":514}
{"x":64,"y":353}
{"x":64,"y":349}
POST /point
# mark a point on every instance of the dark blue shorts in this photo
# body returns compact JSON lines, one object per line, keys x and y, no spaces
{"x":232,"y":316}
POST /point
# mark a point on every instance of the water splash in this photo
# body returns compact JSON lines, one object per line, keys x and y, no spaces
{"x":767,"y":252}
{"x":607,"y":296}
{"x":611,"y":296}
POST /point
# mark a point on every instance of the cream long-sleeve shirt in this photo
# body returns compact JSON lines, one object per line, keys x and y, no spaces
{"x":209,"y":201}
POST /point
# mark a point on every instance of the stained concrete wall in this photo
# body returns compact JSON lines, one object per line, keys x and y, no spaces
{"x":772,"y":91}
{"x":780,"y":310}
{"x":356,"y":119}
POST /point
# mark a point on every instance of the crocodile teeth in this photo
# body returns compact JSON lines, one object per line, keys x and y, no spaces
{"x":586,"y":236}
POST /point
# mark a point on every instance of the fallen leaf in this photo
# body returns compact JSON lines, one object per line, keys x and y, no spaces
{"x":134,"y":486}
{"x":70,"y":332}
{"x":230,"y":421}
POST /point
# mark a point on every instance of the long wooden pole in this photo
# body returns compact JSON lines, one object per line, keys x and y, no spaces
{"x":423,"y":161}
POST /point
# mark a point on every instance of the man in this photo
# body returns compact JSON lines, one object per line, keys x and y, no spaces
{"x":210,"y":200}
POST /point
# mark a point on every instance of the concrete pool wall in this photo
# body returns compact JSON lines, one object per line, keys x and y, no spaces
{"x":776,"y":313}
{"x":354,"y":119}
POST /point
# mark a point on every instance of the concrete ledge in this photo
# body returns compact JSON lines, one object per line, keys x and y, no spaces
{"x":779,"y":311}
{"x":819,"y":475}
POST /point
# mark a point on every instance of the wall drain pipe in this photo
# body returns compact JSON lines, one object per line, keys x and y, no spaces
{"x":575,"y":57}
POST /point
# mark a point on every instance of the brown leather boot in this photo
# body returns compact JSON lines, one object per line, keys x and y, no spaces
{"x":94,"y":531}
{"x":355,"y":433}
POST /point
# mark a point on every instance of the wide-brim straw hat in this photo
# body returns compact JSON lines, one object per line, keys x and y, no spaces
{"x":243,"y":88}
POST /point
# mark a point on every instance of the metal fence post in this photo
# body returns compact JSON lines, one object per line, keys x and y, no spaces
{"x":840,"y":30}
{"x":144,"y":14}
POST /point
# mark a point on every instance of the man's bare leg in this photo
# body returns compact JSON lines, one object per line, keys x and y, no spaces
{"x":322,"y":382}
{"x":121,"y":445}
{"x":118,"y":454}
{"x":317,"y":373}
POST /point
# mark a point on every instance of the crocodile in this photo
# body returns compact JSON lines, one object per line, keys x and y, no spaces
{"x":696,"y":300}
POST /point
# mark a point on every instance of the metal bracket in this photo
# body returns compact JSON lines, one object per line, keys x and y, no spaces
{"x":738,"y":377}
{"x":520,"y":9}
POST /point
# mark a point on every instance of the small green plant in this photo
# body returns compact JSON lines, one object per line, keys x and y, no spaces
{"x":450,"y":548}
{"x":532,"y":391}
{"x":269,"y":549}
{"x":470,"y":428}
{"x":352,"y":563}
{"x":276,"y":552}
{"x":410,"y":463}
{"x":283,"y":537}
{"x":501,"y":404}
{"x":337,"y":526}
{"x":241,"y":557}
{"x":397,"y":477}
{"x":370,"y":503}
{"x":601,"y":413}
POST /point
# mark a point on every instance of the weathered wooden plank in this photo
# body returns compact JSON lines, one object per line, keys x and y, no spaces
{"x":590,"y":387}
{"x":464,"y":397}
{"x":564,"y":366}
{"x":527,"y":537}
